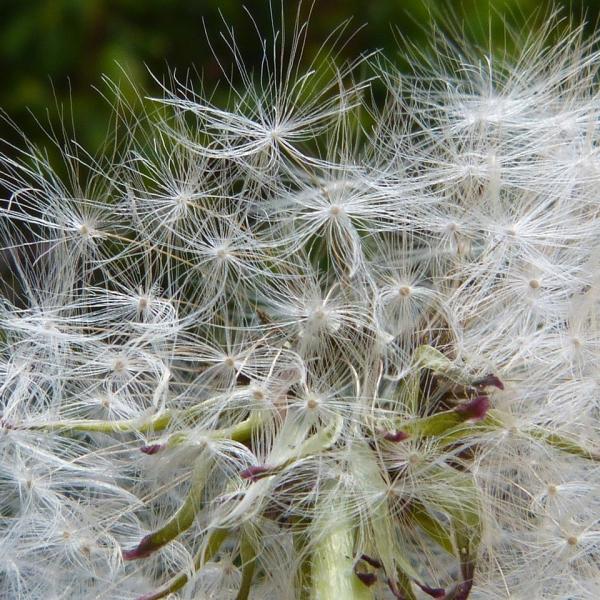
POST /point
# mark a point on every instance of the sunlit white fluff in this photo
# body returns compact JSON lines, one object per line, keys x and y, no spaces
{"x":260,"y":333}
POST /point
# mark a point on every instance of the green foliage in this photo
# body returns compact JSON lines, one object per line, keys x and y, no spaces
{"x":53,"y":52}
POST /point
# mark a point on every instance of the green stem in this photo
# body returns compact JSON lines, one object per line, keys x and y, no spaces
{"x":450,"y":427}
{"x":567,"y":445}
{"x":332,"y":572}
{"x":216,"y":538}
{"x":248,"y":558}
{"x":157,"y":423}
{"x":240,"y":432}
{"x":182,"y":519}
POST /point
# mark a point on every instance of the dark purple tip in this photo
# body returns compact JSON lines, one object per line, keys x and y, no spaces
{"x":371,"y":561}
{"x":433,"y":592}
{"x":152,"y":596}
{"x":152,"y":448}
{"x":461,"y":591}
{"x":145,"y":548}
{"x":367,"y":578}
{"x":254,"y":473}
{"x":395,"y":436}
{"x":394,"y":589}
{"x":476,"y":409}
{"x":467,"y":568}
{"x":489,"y":380}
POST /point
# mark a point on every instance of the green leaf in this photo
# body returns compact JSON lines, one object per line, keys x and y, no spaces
{"x":562,"y":443}
{"x":432,"y":527}
{"x":387,"y":543}
{"x":465,"y":514}
{"x":404,"y":585}
{"x":428,"y":357}
{"x":322,"y":439}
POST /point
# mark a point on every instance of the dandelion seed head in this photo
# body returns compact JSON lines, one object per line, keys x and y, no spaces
{"x":266,"y":333}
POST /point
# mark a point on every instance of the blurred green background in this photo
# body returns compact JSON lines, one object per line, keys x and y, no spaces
{"x":54,"y":52}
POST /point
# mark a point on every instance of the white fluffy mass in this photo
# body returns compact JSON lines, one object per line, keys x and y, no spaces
{"x":308,"y":345}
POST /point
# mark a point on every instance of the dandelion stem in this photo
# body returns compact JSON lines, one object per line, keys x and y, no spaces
{"x":181,"y":520}
{"x":562,"y":443}
{"x":248,"y":558}
{"x":332,"y":572}
{"x":157,"y":423}
{"x":216,"y":538}
{"x":240,"y":432}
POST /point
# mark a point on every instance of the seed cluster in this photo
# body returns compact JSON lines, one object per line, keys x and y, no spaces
{"x":303,"y":346}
